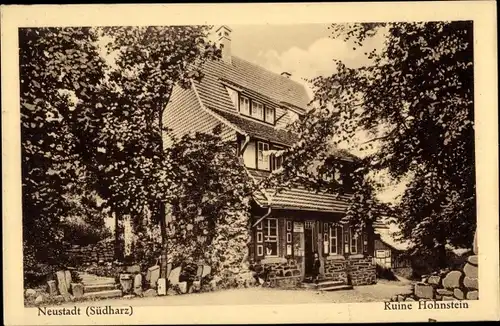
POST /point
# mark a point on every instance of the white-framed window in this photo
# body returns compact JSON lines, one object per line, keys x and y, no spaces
{"x":289,"y":225}
{"x":269,"y":115}
{"x":244,"y":105}
{"x":289,"y":237}
{"x":271,"y":237}
{"x":354,"y":242}
{"x":257,"y":110}
{"x":333,"y":240}
{"x":259,"y":226}
{"x":262,"y":156}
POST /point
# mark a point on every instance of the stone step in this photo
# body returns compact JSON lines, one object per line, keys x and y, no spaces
{"x":104,"y":294}
{"x":94,"y":281}
{"x":337,"y":288}
{"x":99,"y":287}
{"x":326,"y":284}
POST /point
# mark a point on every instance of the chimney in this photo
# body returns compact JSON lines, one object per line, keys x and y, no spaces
{"x":224,"y":36}
{"x":286,"y":74}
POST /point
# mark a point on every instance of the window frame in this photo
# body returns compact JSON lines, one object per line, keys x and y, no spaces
{"x":273,"y":159}
{"x":353,"y":236}
{"x":271,"y":238}
{"x":268,"y":109}
{"x":240,"y":98}
{"x":262,"y":106}
{"x":336,"y":237}
{"x":257,"y":158}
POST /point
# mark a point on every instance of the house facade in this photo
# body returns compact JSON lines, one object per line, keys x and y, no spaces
{"x":253,"y":107}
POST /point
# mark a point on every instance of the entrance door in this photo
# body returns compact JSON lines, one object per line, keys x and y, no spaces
{"x":309,"y":247}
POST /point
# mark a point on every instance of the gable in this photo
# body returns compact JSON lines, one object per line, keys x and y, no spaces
{"x":185,"y":115}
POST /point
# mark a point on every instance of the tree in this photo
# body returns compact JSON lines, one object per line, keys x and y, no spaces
{"x":56,"y":64}
{"x":127,"y":153}
{"x":415,"y":103}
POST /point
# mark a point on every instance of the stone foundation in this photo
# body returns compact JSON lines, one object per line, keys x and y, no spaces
{"x":281,"y":272}
{"x":336,"y":269}
{"x":360,"y":271}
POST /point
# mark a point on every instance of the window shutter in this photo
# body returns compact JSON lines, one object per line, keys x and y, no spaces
{"x":282,"y":237}
{"x":259,"y":242}
{"x":326,"y":239}
{"x":360,"y":242}
{"x":340,"y":239}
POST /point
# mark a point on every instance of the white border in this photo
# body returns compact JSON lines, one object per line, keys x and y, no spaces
{"x":483,"y":13}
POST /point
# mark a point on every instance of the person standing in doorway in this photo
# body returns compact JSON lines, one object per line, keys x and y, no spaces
{"x":316,"y":267}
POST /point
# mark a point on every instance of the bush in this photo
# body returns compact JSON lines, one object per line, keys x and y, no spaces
{"x":385,"y":273}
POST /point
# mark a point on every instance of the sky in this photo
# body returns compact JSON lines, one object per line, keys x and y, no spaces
{"x":305,"y":50}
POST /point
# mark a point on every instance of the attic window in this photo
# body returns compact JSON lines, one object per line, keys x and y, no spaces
{"x":257,"y":110}
{"x":244,"y":105}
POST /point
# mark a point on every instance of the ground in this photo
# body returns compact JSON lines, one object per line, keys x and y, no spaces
{"x":379,"y":292}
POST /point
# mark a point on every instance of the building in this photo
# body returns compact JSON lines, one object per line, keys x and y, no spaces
{"x":254,"y":106}
{"x":389,"y":253}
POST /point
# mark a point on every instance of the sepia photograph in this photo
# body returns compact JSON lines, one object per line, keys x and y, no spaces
{"x":235,"y":164}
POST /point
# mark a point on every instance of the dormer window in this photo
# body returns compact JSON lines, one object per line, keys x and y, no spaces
{"x":244,"y":105}
{"x":257,"y":110}
{"x":270,"y":115}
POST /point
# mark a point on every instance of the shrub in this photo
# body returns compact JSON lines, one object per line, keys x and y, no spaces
{"x":385,"y":273}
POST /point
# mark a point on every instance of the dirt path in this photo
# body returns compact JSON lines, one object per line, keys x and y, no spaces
{"x":370,"y":293}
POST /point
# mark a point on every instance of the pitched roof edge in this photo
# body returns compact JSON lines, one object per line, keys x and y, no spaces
{"x":215,"y":115}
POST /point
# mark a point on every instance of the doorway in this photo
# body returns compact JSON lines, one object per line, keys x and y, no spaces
{"x":309,"y":248}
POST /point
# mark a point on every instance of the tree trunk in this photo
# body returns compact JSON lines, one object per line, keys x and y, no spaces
{"x":441,"y":255}
{"x":118,"y":238}
{"x":164,"y":249}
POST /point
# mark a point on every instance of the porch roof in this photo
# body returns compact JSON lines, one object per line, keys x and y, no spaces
{"x":300,"y":198}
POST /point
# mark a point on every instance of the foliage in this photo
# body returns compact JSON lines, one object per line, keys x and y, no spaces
{"x":385,"y":273}
{"x":415,"y":99}
{"x":84,"y":222}
{"x":55,"y":63}
{"x":88,"y":123}
{"x":209,"y":202}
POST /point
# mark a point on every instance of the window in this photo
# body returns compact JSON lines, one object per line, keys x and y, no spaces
{"x":276,"y":162}
{"x":271,"y":236}
{"x":354,"y":242}
{"x":262,"y":156}
{"x":270,"y":115}
{"x":257,"y":110}
{"x":244,"y":105}
{"x":333,"y":240}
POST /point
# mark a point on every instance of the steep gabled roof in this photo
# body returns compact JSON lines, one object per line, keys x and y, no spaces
{"x":251,"y":77}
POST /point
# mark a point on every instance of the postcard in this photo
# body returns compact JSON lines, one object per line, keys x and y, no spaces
{"x":250,"y":163}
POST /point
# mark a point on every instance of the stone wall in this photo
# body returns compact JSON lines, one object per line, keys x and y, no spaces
{"x":447,"y":285}
{"x":102,"y":251}
{"x":282,"y":272}
{"x":361,"y":271}
{"x":336,"y":269}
